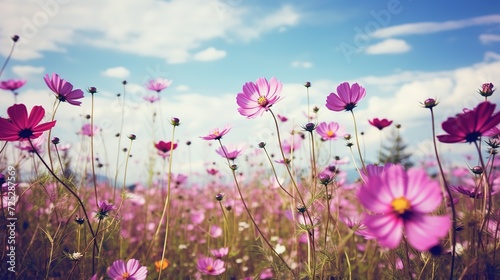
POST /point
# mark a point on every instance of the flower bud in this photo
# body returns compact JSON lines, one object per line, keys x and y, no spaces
{"x":478,"y":170}
{"x":262,"y":145}
{"x":307,"y":84}
{"x":486,"y":89}
{"x":55,"y":140}
{"x":430,"y":102}
{"x":175,"y":121}
{"x":15,"y":38}
{"x":132,"y":136}
{"x":92,"y":90}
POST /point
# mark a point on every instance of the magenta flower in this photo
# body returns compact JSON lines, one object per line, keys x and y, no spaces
{"x":330,"y":131}
{"x":216,"y":134}
{"x":88,"y":130}
{"x":12,"y":85}
{"x":486,"y":89}
{"x":282,"y":118}
{"x":104,"y":209}
{"x":220,"y":253}
{"x":151,"y":98}
{"x":210,"y":266}
{"x":130,"y":271}
{"x":401,"y":201}
{"x":258,"y":97}
{"x":380,"y":124}
{"x":230,"y":152}
{"x":346,"y":98}
{"x":164,"y":148}
{"x":158,"y":85}
{"x":468,"y":126}
{"x":63,"y":89}
{"x":20,"y":126}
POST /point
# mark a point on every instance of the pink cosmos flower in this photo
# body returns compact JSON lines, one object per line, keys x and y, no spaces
{"x":164,"y":148}
{"x":230,"y":152}
{"x":63,"y":89}
{"x":346,"y":97}
{"x":158,"y":85}
{"x":210,"y":266}
{"x":282,"y":118}
{"x":258,"y":97}
{"x":37,"y":146}
{"x":151,"y":98}
{"x":468,"y":126}
{"x":129,"y":271}
{"x":380,"y":124}
{"x":220,"y":253}
{"x":216,"y":134}
{"x":20,"y":126}
{"x":486,"y":89}
{"x":104,"y":209}
{"x":401,"y":201}
{"x":330,"y":131}
{"x":12,"y":85}
{"x":88,"y":131}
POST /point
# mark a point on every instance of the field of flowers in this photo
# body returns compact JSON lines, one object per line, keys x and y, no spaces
{"x":312,"y":221}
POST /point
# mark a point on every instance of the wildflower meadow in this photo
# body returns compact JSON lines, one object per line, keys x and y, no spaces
{"x":286,"y":208}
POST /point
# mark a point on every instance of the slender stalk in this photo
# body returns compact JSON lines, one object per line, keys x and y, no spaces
{"x":92,"y":156}
{"x":450,"y":197}
{"x":74,"y":195}
{"x":357,"y":141}
{"x":117,"y":169}
{"x":8,"y":57}
{"x":167,"y":202}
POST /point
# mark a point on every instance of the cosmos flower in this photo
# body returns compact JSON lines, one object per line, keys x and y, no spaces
{"x":216,"y":134}
{"x":12,"y":85}
{"x":164,"y":148}
{"x":469,"y":126}
{"x":400,"y":203}
{"x":20,"y":126}
{"x":151,"y":98}
{"x":210,"y":266}
{"x":88,"y":131}
{"x":220,"y":253}
{"x":486,"y":89}
{"x":346,"y":98}
{"x":330,"y":131}
{"x":130,"y":271}
{"x":258,"y":97}
{"x":230,"y":152}
{"x":63,"y":90}
{"x":104,"y":209}
{"x":158,"y":85}
{"x":380,"y":124}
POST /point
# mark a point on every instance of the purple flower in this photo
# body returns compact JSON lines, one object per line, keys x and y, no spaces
{"x":20,"y":126}
{"x":104,"y":208}
{"x":401,"y":201}
{"x":216,"y":134}
{"x":158,"y":85}
{"x":130,"y":271}
{"x":88,"y":130}
{"x":346,"y":98}
{"x":468,"y":126}
{"x":220,"y":253}
{"x":12,"y":85}
{"x":380,"y":124}
{"x":63,"y":90}
{"x":258,"y":97}
{"x":330,"y":131}
{"x":230,"y":152}
{"x":164,"y":148}
{"x":210,"y":266}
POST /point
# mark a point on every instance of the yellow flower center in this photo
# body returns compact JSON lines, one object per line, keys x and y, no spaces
{"x":262,"y":101}
{"x":330,"y":133}
{"x":125,"y":275}
{"x":210,"y":268}
{"x":401,"y":205}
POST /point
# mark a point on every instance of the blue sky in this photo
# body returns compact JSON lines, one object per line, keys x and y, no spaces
{"x":401,"y":51}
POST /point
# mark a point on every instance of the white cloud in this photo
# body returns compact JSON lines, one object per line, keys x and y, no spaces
{"x":27,"y":70}
{"x":171,"y":30}
{"x":182,"y":88}
{"x":491,"y":56}
{"x":119,"y":72}
{"x":489,"y":38}
{"x":433,"y":27}
{"x":209,"y":54}
{"x":301,"y":64}
{"x":388,"y":46}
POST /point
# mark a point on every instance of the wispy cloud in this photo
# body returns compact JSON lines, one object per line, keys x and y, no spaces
{"x":489,"y":38}
{"x":388,"y":46}
{"x":116,"y":72}
{"x":209,"y":54}
{"x":171,"y":30}
{"x":26,"y":71}
{"x":301,"y":64}
{"x":434,"y":27}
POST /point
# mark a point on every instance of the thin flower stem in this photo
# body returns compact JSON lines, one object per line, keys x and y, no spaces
{"x":450,"y":197}
{"x":56,"y":106}
{"x":8,"y":58}
{"x":92,"y":156}
{"x":357,"y":141}
{"x":59,"y":159}
{"x":276,"y":175}
{"x":117,"y":169}
{"x":167,"y":202}
{"x":72,"y":193}
{"x":487,"y":191}
{"x":248,"y":211}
